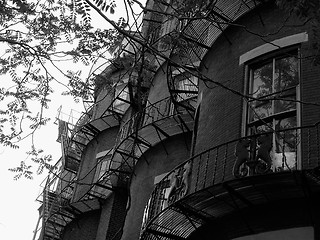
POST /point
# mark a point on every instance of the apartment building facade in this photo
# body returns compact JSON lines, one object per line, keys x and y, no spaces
{"x":213,"y":133}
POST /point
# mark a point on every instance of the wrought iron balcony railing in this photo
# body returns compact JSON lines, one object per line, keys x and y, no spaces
{"x":261,"y":154}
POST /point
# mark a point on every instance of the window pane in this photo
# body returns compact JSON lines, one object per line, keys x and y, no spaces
{"x":286,"y":73}
{"x":262,"y":81}
{"x":274,"y":86}
{"x":285,"y":145}
{"x":259,"y":110}
{"x":186,"y":83}
{"x":283,"y":105}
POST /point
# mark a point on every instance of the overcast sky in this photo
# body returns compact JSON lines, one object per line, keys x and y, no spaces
{"x":18,"y":205}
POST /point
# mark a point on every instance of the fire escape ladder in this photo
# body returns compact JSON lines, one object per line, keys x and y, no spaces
{"x":182,"y":88}
{"x":92,"y":129}
{"x":76,"y":159}
{"x":51,"y":229}
{"x":82,"y":145}
{"x":52,"y":222}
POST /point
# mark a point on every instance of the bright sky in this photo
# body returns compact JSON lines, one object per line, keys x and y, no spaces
{"x":18,"y":205}
{"x":18,"y":208}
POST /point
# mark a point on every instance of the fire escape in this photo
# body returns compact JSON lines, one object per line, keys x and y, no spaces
{"x":164,"y":118}
{"x":213,"y":191}
{"x":75,"y":132}
{"x":56,"y":194}
{"x":180,"y":215}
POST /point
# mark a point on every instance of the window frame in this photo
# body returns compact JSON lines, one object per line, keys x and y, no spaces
{"x":260,"y":61}
{"x":102,"y":164}
{"x":121,"y":97}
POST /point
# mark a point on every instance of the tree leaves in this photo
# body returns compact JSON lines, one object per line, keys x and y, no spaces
{"x":22,"y":171}
{"x":37,"y":156}
{"x":105,"y":5}
{"x":307,"y":11}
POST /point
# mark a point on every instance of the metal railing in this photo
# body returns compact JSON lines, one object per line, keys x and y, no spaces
{"x":298,"y":148}
{"x":56,"y":194}
{"x":153,"y":112}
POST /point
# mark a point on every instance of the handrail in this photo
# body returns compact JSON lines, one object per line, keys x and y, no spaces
{"x":153,"y":112}
{"x":217,"y":164}
{"x":76,"y":140}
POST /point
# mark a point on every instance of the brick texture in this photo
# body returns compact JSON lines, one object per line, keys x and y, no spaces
{"x":158,"y":160}
{"x":221,"y":110}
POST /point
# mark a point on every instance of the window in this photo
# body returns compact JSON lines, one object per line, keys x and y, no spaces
{"x":121,"y":101}
{"x":272,"y":108}
{"x":186,"y":89}
{"x":103,"y":160}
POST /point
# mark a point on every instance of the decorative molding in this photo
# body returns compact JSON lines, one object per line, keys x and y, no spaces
{"x":272,"y":46}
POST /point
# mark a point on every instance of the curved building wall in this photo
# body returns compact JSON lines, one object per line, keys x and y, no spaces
{"x":103,"y":142}
{"x":159,"y":87}
{"x":82,"y":228}
{"x":151,"y":167}
{"x":221,"y":110}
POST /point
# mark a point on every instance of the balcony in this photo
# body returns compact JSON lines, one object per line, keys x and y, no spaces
{"x":58,"y":208}
{"x":223,"y":179}
{"x":153,"y":125}
{"x":55,"y":197}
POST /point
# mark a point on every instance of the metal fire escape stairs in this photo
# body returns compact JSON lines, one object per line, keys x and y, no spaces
{"x":74,"y":135}
{"x":151,"y":119}
{"x":55,"y":196}
{"x":196,"y":35}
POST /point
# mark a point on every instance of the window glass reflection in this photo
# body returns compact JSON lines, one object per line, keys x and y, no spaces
{"x":273,"y":107}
